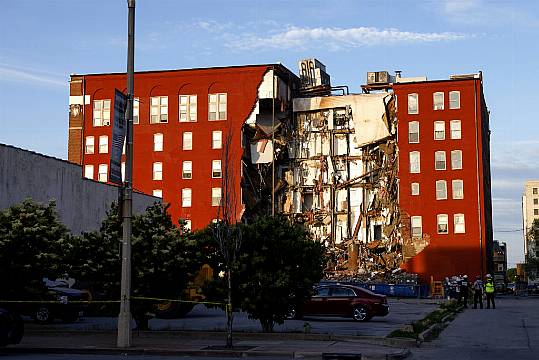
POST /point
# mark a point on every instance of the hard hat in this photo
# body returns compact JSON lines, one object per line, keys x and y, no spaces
{"x":489,"y":276}
{"x":465,"y":276}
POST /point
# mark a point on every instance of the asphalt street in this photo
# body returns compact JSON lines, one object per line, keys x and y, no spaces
{"x":511,"y":331}
{"x":203,"y":319}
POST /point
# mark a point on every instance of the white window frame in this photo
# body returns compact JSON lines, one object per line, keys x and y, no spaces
{"x":217,"y":106}
{"x":439,"y":130}
{"x":456,"y":100}
{"x":187,"y":140}
{"x":158,"y":142}
{"x":187,"y":108}
{"x":413,"y":168}
{"x":411,"y":132}
{"x":456,"y":159}
{"x":89,"y":145}
{"x":89,"y":171}
{"x":187,"y":197}
{"x":136,"y":110}
{"x":187,"y":170}
{"x":157,"y":193}
{"x":441,"y":190}
{"x":440,"y":154}
{"x":216,"y":139}
{"x":416,"y":222}
{"x":157,"y":171}
{"x":187,"y":224}
{"x":103,"y":144}
{"x":455,"y":184}
{"x":414,"y":188}
{"x":102,"y":173}
{"x":158,"y":109}
{"x":459,"y":224}
{"x":442,"y":219}
{"x":216,"y":195}
{"x":101,"y":112}
{"x":436,"y":105}
{"x":411,"y":109}
{"x":216,"y":170}
{"x":455,"y":127}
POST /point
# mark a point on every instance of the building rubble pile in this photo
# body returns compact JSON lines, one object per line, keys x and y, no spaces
{"x":335,"y":172}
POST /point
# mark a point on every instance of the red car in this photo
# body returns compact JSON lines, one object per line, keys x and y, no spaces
{"x":343,"y":300}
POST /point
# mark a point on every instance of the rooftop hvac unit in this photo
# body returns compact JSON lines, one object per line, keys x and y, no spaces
{"x":313,"y":73}
{"x":378,"y":77}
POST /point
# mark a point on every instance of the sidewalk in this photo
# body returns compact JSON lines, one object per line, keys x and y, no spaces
{"x":208,"y":344}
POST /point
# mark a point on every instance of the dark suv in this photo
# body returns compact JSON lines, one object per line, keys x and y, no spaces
{"x":342,"y":300}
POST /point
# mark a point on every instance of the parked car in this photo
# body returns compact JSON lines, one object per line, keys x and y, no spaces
{"x":11,"y":327}
{"x":511,"y":288}
{"x":344,"y":301}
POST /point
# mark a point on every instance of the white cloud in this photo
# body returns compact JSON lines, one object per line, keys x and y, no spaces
{"x":335,"y":38}
{"x":10,"y":73}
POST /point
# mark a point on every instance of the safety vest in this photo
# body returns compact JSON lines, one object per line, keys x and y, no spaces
{"x":489,"y":287}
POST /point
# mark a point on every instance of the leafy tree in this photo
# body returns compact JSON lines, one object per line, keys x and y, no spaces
{"x":163,"y":263}
{"x":532,"y":260}
{"x":31,"y":242}
{"x":511,"y":274}
{"x":279,"y":265}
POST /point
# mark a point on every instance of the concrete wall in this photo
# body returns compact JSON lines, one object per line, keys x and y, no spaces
{"x":80,"y":203}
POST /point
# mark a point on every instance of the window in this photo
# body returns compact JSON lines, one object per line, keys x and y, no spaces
{"x":89,"y":147}
{"x":157,"y":193}
{"x":441,"y":190}
{"x":216,"y":139}
{"x":438,"y":99}
{"x":458,"y":189}
{"x":102,"y":173}
{"x":454,"y":99}
{"x":415,"y":188}
{"x":187,"y":143}
{"x":158,"y":142}
{"x":534,"y":191}
{"x":456,"y":159}
{"x":186,"y":197}
{"x":89,"y":171}
{"x":101,"y":112}
{"x":103,"y":144}
{"x":535,"y":201}
{"x":417,"y":227}
{"x":187,"y":224}
{"x":217,"y":106}
{"x":122,"y":170}
{"x":458,"y":220}
{"x":187,"y":170}
{"x":413,"y":132}
{"x":455,"y":129}
{"x":443,"y":223}
{"x":439,"y":130}
{"x":157,"y":171}
{"x":535,"y":211}
{"x":215,"y":196}
{"x":413,"y":103}
{"x":136,"y":110}
{"x":158,"y":109}
{"x":415,"y":165}
{"x":188,"y":108}
{"x":342,"y":292}
{"x":216,"y":169}
{"x":439,"y":160}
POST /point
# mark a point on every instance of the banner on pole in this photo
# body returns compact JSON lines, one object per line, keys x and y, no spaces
{"x":118,"y":137}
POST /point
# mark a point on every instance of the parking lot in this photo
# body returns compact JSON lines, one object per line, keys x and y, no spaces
{"x":401,"y":312}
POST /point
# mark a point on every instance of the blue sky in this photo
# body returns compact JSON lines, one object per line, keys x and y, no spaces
{"x":42,"y":42}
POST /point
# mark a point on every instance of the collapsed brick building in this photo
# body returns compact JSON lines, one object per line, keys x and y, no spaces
{"x":353,"y":168}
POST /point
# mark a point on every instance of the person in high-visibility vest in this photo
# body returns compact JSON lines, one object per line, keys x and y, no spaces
{"x":489,"y":291}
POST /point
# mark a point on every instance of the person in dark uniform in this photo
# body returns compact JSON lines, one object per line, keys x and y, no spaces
{"x":478,"y":292}
{"x":464,"y":289}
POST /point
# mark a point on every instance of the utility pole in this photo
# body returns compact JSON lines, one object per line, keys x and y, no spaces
{"x":273,"y":142}
{"x":124,"y":318}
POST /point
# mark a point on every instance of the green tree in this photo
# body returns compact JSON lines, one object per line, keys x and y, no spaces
{"x":532,"y":260}
{"x":278,"y":266}
{"x":31,"y":243}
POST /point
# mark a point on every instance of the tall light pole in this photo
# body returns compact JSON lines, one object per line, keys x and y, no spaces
{"x":124,"y":318}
